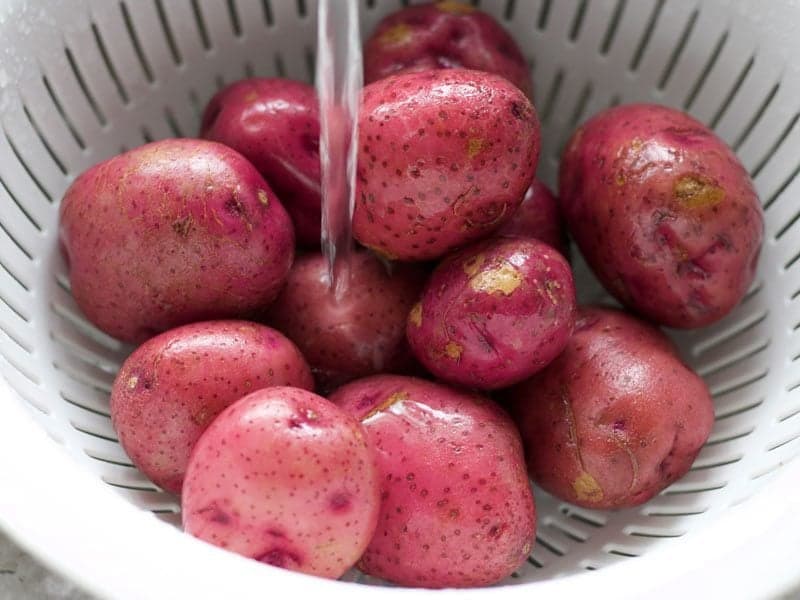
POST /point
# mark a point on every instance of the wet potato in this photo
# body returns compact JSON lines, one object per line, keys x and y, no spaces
{"x":456,"y":505}
{"x":494,"y":313}
{"x":616,"y":418}
{"x":444,"y":35}
{"x":445,"y":158}
{"x":274,"y":123}
{"x":286,"y":478}
{"x":663,"y":212}
{"x":173,"y":232}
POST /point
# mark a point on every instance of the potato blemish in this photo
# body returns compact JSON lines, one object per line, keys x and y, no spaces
{"x":415,"y":316}
{"x":696,"y":191}
{"x":397,"y":35}
{"x":474,"y":147}
{"x":500,"y":280}
{"x":132,"y":381}
{"x":183,"y":226}
{"x":215,"y":514}
{"x":263,"y":198}
{"x":340,"y":502}
{"x":392,"y":399}
{"x":280,"y":557}
{"x":201,"y":417}
{"x":551,"y":287}
{"x":455,"y":8}
{"x":474,"y":264}
{"x":453,"y":350}
{"x":587,"y":489}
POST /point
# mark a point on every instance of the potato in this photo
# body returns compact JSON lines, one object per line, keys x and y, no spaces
{"x":457,"y":509}
{"x":170,"y":389}
{"x":663,"y":212}
{"x":274,"y":123}
{"x":494,"y":313}
{"x":173,"y":232}
{"x":359,"y":334}
{"x":444,"y":159}
{"x":616,"y":418}
{"x":538,"y":217}
{"x":444,"y":35}
{"x":287,"y":478}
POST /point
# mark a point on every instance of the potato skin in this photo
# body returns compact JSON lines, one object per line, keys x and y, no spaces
{"x":457,"y":509}
{"x":663,"y":212}
{"x":361,"y":333}
{"x":444,"y":35}
{"x":173,"y":386}
{"x":274,"y":123}
{"x":286,"y":478}
{"x":538,"y":217}
{"x":494,"y":313}
{"x":616,"y":418}
{"x":444,"y":159}
{"x":173,"y":232}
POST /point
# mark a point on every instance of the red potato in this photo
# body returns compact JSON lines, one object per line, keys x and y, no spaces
{"x":286,"y":478}
{"x":457,"y":509}
{"x":538,"y":217}
{"x":359,"y":334}
{"x":663,"y":212}
{"x":616,"y":418}
{"x":444,"y":35}
{"x":445,"y":158}
{"x":274,"y":123}
{"x":494,"y":313}
{"x":173,"y":232}
{"x":170,"y":389}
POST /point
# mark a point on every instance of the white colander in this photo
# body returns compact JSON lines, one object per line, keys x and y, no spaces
{"x":82,"y":80}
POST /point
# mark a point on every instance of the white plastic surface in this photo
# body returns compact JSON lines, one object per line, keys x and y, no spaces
{"x":81,"y":80}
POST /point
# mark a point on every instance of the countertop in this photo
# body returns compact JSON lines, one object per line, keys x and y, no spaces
{"x":23,"y":578}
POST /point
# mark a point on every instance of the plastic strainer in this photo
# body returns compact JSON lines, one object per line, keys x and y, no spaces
{"x":81,"y":80}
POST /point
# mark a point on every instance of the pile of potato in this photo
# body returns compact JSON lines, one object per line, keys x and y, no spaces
{"x":462,"y":290}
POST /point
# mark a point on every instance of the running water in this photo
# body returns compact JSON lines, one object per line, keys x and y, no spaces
{"x":339,"y":79}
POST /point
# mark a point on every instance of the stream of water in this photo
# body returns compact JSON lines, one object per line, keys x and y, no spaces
{"x":339,"y":78}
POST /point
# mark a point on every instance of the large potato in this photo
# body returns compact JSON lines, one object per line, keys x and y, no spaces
{"x":444,"y":159}
{"x":274,"y":123}
{"x":494,"y":313}
{"x":286,"y":478}
{"x":663,"y":212}
{"x":168,"y":391}
{"x":616,"y":418}
{"x":359,"y":334}
{"x":444,"y":35}
{"x":173,"y":232}
{"x":456,"y":508}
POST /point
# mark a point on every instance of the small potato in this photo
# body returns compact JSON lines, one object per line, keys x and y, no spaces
{"x":170,"y":233}
{"x":444,"y":35}
{"x":663,"y":212}
{"x":494,"y":313}
{"x":170,"y":389}
{"x":286,"y":478}
{"x":359,"y":334}
{"x":444,"y":159}
{"x":457,"y":508}
{"x":616,"y":418}
{"x":274,"y":123}
{"x":538,"y":217}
